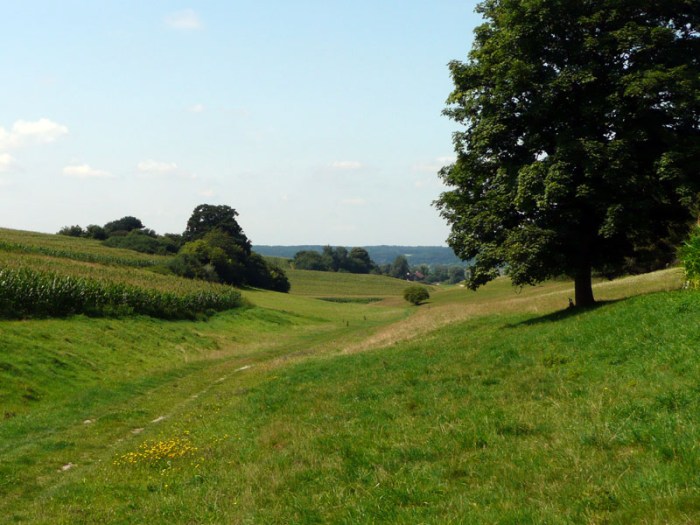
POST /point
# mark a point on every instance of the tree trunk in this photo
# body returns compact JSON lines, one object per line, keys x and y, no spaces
{"x":583,"y":288}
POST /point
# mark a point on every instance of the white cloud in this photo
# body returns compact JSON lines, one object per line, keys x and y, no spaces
{"x":7,"y":163}
{"x":25,"y":132}
{"x":196,"y":108}
{"x":84,"y":171}
{"x":186,"y":19}
{"x":346,"y":165}
{"x":433,"y":166}
{"x":159,"y":168}
{"x":207,"y":193}
{"x":155,"y":167}
{"x":5,"y":183}
{"x":354,"y":202}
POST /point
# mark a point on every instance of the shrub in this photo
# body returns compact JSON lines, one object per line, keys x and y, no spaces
{"x":141,"y":241}
{"x":690,"y":258}
{"x":416,"y":294}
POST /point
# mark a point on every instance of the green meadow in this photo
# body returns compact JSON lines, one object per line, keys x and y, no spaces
{"x":341,"y":403}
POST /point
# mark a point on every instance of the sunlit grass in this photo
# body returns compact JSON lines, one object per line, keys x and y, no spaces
{"x":495,"y":406}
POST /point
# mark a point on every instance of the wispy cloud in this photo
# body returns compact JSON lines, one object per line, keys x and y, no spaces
{"x":433,"y":166}
{"x":354,"y":202}
{"x":346,"y":165}
{"x":7,"y":163}
{"x":187,"y":20}
{"x":196,"y":108}
{"x":207,"y":193}
{"x":84,"y":171}
{"x":156,"y":167}
{"x":24,"y":132}
{"x":159,"y":168}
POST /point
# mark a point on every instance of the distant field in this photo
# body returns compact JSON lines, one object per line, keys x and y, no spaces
{"x":332,"y":284}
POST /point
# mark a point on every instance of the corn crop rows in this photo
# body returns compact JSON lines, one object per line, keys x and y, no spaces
{"x":137,"y":262}
{"x":29,"y":293}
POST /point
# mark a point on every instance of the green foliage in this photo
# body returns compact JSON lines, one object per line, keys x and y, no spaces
{"x":416,"y":294}
{"x":217,"y":256}
{"x":140,"y":241}
{"x":94,"y":231}
{"x":28,"y":293}
{"x":332,"y":259}
{"x":581,"y":145}
{"x":72,"y":231}
{"x":309,"y":260}
{"x":261,"y":273}
{"x":690,"y":258}
{"x":125,"y":224}
{"x":400,"y":268}
{"x":208,"y":217}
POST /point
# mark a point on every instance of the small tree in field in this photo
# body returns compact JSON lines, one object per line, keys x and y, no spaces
{"x":416,"y":294}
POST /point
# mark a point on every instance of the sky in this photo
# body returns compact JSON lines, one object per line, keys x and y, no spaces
{"x":319,"y":121}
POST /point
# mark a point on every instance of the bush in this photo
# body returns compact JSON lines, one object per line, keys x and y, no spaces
{"x":72,"y":231}
{"x":140,"y":241}
{"x":690,"y":258}
{"x":416,"y":294}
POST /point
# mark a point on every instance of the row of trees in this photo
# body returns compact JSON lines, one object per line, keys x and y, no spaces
{"x":357,"y":260}
{"x":130,"y":233}
{"x":213,"y":247}
{"x":339,"y":259}
{"x":431,"y":274}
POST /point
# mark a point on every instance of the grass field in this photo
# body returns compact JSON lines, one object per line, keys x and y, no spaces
{"x":477,"y":407}
{"x":330,"y":284}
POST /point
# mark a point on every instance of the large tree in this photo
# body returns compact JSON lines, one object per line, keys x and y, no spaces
{"x":208,"y":217}
{"x":581,"y":138}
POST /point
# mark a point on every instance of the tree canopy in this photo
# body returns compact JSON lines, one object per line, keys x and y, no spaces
{"x":581,"y":138}
{"x":125,"y":224}
{"x":208,"y":217}
{"x":337,"y":259}
{"x":218,"y":250}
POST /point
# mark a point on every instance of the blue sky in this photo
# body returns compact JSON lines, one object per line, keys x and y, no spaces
{"x":318,"y":120}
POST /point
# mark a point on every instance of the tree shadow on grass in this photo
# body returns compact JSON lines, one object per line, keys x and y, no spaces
{"x":560,"y":315}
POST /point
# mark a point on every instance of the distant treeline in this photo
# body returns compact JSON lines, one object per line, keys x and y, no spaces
{"x":357,"y":260}
{"x":383,"y":254}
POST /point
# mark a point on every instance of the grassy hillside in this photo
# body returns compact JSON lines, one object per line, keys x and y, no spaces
{"x":486,"y":407}
{"x":61,"y":246}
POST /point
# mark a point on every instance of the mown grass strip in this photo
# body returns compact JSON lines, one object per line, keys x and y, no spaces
{"x":29,"y":293}
{"x":356,"y":300}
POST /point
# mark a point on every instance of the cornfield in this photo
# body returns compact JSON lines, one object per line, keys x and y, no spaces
{"x":25,"y":292}
{"x":137,"y":260}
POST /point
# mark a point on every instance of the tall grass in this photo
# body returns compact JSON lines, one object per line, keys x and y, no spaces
{"x":26,"y":293}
